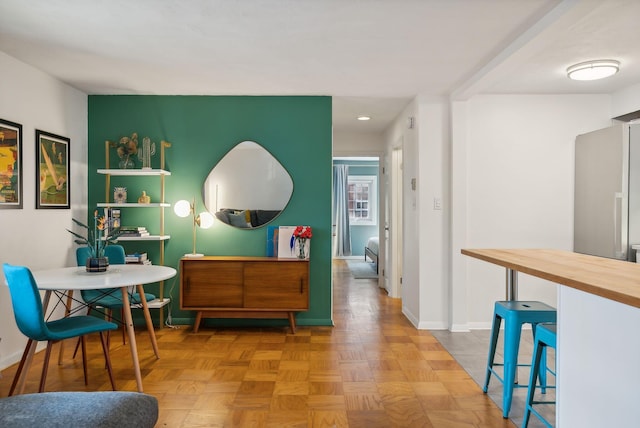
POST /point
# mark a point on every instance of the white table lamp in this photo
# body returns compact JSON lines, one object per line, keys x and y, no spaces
{"x":204,"y":220}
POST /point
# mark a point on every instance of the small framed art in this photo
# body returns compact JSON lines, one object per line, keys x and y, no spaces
{"x":52,"y":170}
{"x":10,"y":165}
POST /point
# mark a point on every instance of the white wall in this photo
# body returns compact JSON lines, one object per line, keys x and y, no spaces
{"x":433,"y":238}
{"x":503,"y":168}
{"x":625,"y":101}
{"x":37,"y":238}
{"x":357,"y":143}
{"x":512,"y":187}
{"x":399,"y":132}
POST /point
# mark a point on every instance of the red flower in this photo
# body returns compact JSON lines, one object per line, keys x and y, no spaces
{"x":302,"y":232}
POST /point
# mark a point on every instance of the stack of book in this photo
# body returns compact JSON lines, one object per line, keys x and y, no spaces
{"x":137,"y":258}
{"x":112,"y":219}
{"x":133,"y":231}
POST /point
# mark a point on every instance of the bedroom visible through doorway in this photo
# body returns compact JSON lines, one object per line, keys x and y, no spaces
{"x":356,"y":211}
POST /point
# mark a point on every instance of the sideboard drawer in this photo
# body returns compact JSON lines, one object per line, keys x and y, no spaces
{"x":276,"y":285}
{"x":210,"y":284}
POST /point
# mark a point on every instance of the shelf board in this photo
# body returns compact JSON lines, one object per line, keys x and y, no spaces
{"x":157,"y":303}
{"x":144,"y":238}
{"x":134,"y":172}
{"x":134,"y":205}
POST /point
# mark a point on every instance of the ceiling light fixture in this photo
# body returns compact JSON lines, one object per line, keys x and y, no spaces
{"x":364,"y":118}
{"x":593,"y":70}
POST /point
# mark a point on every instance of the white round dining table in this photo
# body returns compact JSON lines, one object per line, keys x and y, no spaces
{"x":117,"y":276}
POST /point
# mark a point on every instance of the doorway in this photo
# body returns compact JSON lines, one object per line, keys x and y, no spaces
{"x":354,"y":239}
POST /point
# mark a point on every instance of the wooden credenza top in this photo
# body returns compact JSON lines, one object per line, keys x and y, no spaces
{"x":612,"y":279}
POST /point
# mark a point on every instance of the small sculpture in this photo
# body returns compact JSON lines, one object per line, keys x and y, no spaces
{"x":120,"y":195}
{"x":144,"y":154}
{"x":144,"y":198}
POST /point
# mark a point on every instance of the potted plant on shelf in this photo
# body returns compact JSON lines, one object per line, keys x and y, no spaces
{"x":96,"y":241}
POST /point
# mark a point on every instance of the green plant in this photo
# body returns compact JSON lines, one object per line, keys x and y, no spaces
{"x":96,"y":239}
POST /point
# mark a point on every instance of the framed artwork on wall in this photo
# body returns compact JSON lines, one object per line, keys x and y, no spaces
{"x":52,"y":171}
{"x":10,"y":165}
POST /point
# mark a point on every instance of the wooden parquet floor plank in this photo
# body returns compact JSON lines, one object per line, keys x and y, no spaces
{"x":372,"y":369}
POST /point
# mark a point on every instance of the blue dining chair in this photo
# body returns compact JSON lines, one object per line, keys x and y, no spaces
{"x":29,"y":316}
{"x":110,"y":298}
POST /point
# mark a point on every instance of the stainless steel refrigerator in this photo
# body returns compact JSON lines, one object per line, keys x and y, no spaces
{"x":607,"y":192}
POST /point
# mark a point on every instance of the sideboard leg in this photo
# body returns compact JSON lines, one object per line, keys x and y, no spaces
{"x":196,"y":323}
{"x":292,"y":322}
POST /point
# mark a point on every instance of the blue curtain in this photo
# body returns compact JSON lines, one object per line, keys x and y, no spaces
{"x":342,"y":233}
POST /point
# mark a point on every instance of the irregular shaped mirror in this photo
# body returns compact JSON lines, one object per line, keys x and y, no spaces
{"x":248,"y":187}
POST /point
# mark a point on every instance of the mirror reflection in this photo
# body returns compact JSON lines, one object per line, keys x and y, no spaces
{"x":248,"y":188}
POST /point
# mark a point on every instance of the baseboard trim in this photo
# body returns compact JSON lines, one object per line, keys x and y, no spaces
{"x":432,"y":325}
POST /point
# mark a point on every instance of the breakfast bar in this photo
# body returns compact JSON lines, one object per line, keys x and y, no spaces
{"x":598,"y":349}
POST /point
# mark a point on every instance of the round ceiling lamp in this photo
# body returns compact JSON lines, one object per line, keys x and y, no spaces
{"x":593,"y":70}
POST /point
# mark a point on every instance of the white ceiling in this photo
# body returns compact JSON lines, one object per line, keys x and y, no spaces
{"x":372,"y":56}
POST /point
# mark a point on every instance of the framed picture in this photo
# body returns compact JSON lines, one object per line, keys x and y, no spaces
{"x":10,"y":165}
{"x":52,"y":170}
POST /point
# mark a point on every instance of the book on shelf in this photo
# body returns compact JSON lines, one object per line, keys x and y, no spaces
{"x":137,"y":258}
{"x":133,"y":231}
{"x":106,"y":213}
{"x":134,"y":228}
{"x":112,"y":219}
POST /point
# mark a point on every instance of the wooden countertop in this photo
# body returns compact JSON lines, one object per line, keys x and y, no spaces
{"x":612,"y":279}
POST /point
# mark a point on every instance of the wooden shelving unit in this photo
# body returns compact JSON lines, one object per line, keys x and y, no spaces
{"x":161,"y":301}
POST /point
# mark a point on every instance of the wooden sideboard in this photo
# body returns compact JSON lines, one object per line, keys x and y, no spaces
{"x":244,"y":287}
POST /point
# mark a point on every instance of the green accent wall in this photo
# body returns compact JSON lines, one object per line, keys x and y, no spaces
{"x":202,"y":129}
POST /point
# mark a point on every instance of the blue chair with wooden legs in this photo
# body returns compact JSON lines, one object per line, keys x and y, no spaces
{"x":515,"y":314}
{"x":111,"y":298}
{"x":29,"y":316}
{"x":545,"y":338}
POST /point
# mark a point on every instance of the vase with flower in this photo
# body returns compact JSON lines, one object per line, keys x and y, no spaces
{"x":126,"y":148}
{"x":299,"y":241}
{"x":96,"y":240}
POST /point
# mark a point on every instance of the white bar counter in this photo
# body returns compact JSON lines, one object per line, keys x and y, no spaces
{"x":598,"y":347}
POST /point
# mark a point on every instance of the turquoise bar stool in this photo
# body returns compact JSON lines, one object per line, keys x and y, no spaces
{"x":515,"y":314}
{"x":545,"y":338}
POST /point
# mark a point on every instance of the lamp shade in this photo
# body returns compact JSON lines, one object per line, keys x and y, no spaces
{"x":593,"y":70}
{"x":182,"y":208}
{"x":206,"y":220}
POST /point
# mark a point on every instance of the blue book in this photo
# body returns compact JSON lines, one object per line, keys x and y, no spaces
{"x":272,"y":241}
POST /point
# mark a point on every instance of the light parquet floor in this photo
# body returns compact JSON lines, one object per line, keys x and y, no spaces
{"x":372,"y":369}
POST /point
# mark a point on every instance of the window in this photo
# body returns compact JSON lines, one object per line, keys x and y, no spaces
{"x":363,"y":200}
